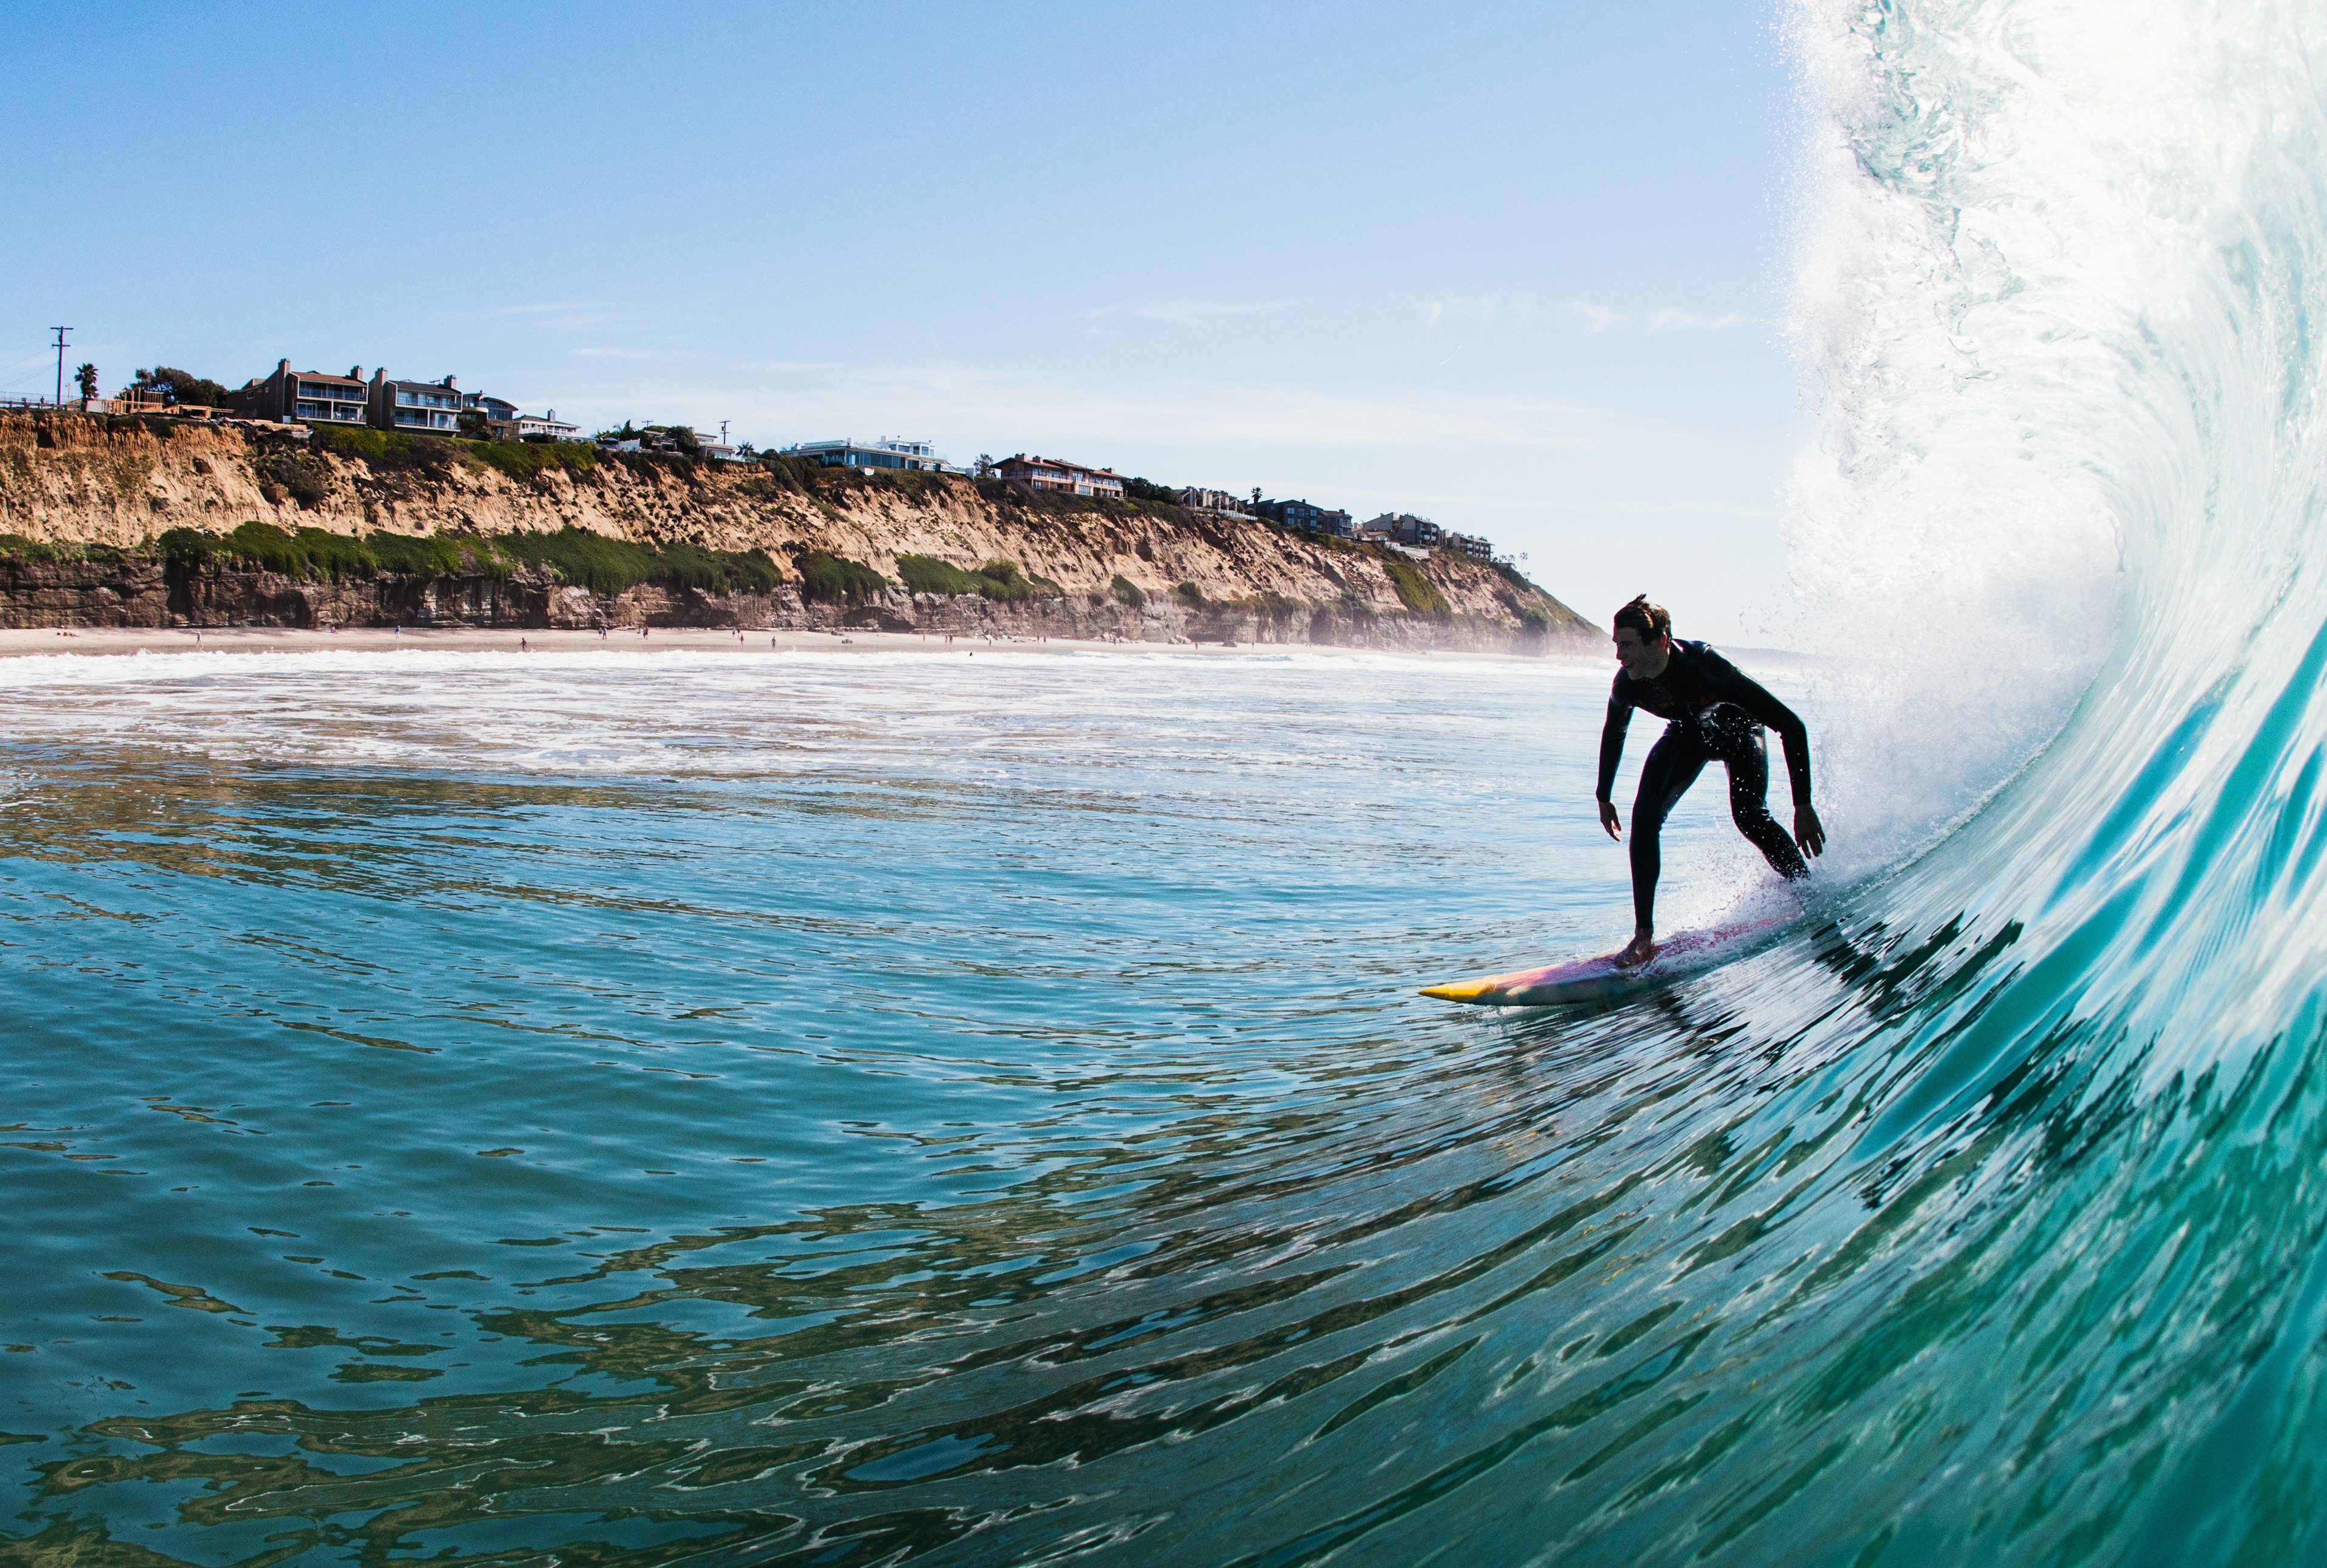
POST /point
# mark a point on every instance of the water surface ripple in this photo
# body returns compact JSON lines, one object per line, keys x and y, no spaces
{"x":778,"y":1110}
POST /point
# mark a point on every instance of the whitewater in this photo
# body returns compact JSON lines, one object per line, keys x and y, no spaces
{"x":768,"y":1108}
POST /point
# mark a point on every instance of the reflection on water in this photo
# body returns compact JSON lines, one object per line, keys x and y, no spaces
{"x":984,"y":1117}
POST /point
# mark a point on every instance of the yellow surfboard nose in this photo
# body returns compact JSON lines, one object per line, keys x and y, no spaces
{"x":1460,"y":990}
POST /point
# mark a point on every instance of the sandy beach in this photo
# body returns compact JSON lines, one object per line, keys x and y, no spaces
{"x":131,"y":640}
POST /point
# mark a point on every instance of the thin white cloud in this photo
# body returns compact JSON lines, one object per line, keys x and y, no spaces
{"x":1486,"y":310}
{"x":633,"y":354}
{"x":1186,"y":312}
{"x":1672,"y":320}
{"x":1598,"y":319}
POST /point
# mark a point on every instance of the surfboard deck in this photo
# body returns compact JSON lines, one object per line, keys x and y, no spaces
{"x":1595,"y":978}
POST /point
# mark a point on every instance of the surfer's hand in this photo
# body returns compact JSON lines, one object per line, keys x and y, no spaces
{"x":1808,"y":832}
{"x":1608,"y":820}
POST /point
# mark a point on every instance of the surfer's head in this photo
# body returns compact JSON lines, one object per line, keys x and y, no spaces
{"x":1643,"y":637}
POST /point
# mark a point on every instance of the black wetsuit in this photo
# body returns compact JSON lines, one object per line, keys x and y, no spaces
{"x":1717,"y":712}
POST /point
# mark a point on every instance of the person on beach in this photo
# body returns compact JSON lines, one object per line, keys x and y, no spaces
{"x":1716,"y":713}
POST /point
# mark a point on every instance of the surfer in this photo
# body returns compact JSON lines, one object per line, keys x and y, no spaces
{"x":1716,"y":713}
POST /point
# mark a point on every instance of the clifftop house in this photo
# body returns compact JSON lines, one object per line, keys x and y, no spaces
{"x":845,"y":452}
{"x":431,"y":407}
{"x":1198,"y":499}
{"x":1050,"y":473}
{"x":1420,"y":533}
{"x":1306,"y":516}
{"x":547,"y":427}
{"x":1401,"y":528}
{"x":317,"y":398}
{"x":290,"y":396}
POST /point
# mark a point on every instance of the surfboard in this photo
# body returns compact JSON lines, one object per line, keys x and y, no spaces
{"x":1596,"y":978}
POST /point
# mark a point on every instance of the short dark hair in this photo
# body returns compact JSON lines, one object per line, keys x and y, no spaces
{"x":1650,"y":620}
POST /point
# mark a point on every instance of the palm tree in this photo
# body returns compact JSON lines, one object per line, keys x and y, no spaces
{"x":86,"y":380}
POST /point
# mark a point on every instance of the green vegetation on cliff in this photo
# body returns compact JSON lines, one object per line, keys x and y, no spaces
{"x":1415,"y":590}
{"x":593,"y":561}
{"x":317,"y":555}
{"x":928,"y":574}
{"x":832,"y":578}
{"x":998,"y":580}
{"x":395,"y":451}
{"x":610,"y":566}
{"x":41,"y":552}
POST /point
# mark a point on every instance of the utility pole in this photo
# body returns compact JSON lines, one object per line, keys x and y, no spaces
{"x":60,"y":332}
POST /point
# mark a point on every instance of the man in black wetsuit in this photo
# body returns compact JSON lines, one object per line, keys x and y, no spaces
{"x":1716,"y":712}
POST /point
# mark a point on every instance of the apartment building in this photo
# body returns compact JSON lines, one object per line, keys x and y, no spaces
{"x":1050,"y":473}
{"x":1306,"y":516}
{"x":291,"y":397}
{"x":421,"y":407}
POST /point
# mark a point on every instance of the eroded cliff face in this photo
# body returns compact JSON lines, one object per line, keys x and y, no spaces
{"x":118,"y":484}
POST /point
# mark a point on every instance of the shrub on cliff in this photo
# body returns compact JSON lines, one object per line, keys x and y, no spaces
{"x":928,"y":574}
{"x":393,"y":451}
{"x":717,"y":571}
{"x":310,"y":554}
{"x":1189,"y":594}
{"x":19,"y":551}
{"x":998,"y":580}
{"x":608,"y":567}
{"x":754,"y":572}
{"x":268,"y":548}
{"x":1127,"y":591}
{"x":791,"y":473}
{"x":336,"y":556}
{"x":604,"y":566}
{"x":832,"y":578}
{"x":1415,"y":590}
{"x":175,"y":385}
{"x":1002,"y":580}
{"x":1140,"y":490}
{"x":437,"y":555}
{"x":526,"y":458}
{"x":190,"y":548}
{"x":303,"y":474}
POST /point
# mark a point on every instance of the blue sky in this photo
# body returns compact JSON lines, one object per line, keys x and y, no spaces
{"x":1515,"y":266}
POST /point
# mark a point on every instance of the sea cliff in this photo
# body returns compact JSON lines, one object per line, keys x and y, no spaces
{"x":149,"y":522}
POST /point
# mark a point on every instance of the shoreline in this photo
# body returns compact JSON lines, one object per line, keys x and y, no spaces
{"x":102,"y":642}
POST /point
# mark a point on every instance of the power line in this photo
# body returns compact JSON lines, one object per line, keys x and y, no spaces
{"x":60,"y":332}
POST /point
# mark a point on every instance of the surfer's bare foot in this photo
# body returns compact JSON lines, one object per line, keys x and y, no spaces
{"x":1643,"y":948}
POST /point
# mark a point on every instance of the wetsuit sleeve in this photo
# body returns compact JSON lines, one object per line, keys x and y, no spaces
{"x":1729,"y":683}
{"x":1612,"y":735}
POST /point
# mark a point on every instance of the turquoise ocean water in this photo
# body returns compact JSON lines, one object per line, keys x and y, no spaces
{"x":746,"y":1109}
{"x":479,"y":1102}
